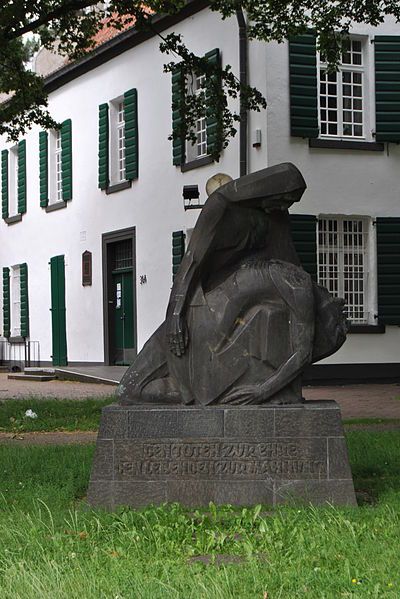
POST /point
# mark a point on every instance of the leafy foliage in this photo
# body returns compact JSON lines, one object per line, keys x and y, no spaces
{"x":72,"y":24}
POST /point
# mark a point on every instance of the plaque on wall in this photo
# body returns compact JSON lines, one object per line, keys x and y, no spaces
{"x":86,"y":268}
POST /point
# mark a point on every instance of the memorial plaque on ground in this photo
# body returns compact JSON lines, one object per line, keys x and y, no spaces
{"x":261,"y":454}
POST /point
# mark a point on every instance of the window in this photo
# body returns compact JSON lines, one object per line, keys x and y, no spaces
{"x":15,"y":301}
{"x":118,"y":152}
{"x":55,"y":167}
{"x":117,"y":146}
{"x":196,"y":86}
{"x":342,"y":94}
{"x":208,"y":129}
{"x":13,"y":182}
{"x":344,"y":264}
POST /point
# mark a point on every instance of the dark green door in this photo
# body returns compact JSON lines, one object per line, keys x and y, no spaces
{"x":123,"y":317}
{"x":58,"y":326}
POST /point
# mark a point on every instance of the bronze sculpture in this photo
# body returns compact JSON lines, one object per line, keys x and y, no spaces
{"x":244,"y":319}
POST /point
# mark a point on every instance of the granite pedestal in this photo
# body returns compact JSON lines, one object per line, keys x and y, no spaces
{"x":238,"y":455}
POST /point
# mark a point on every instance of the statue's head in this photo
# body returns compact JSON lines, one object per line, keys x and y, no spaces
{"x":274,"y":188}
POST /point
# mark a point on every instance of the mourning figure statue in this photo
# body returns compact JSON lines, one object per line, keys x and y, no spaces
{"x":244,"y":319}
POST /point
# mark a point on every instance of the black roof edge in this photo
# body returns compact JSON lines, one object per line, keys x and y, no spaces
{"x":117,"y":45}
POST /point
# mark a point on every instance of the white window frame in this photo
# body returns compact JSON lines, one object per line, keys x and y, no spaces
{"x":15,"y":301}
{"x":13,"y":181}
{"x":335,"y":280}
{"x":195,"y":84}
{"x":55,"y":167}
{"x":117,"y":141}
{"x":366,"y":70}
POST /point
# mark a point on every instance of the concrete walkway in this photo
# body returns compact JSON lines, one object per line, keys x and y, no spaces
{"x":92,"y":374}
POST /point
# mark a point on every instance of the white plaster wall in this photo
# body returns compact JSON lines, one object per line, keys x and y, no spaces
{"x":153,"y":205}
{"x":338,"y":181}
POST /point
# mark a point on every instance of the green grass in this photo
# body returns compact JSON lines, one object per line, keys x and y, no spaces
{"x":52,"y":414}
{"x":53,"y":546}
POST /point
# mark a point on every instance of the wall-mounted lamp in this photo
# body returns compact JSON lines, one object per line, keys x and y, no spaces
{"x":257,"y":138}
{"x":189,"y":193}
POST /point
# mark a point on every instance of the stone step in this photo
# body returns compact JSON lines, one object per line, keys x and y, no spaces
{"x":39,"y":370}
{"x":32,"y":377}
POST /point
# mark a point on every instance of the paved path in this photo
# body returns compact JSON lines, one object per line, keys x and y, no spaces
{"x":356,"y":401}
{"x":361,"y":401}
{"x":17,"y":389}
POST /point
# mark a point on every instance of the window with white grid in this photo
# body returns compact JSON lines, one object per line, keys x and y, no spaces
{"x":196,"y":86}
{"x":121,"y":141}
{"x":15,"y":301}
{"x":58,"y":166}
{"x":341,"y":97}
{"x":13,"y":183}
{"x":343,"y":263}
{"x":117,"y":141}
{"x":55,"y":167}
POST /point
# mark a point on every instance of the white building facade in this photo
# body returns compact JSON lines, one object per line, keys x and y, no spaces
{"x":93,"y":216}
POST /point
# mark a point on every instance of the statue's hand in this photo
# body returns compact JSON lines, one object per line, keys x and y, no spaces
{"x":246,"y":394}
{"x":177,"y":335}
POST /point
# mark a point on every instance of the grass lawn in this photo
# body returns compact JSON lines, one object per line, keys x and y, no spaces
{"x":53,"y":546}
{"x":52,"y":414}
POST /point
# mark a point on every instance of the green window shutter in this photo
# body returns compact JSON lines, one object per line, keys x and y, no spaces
{"x":131,"y":135}
{"x":44,"y":168}
{"x":304,"y":234}
{"x":388,"y":257}
{"x":178,"y":95}
{"x":214,"y":113}
{"x":103,"y":146}
{"x":58,"y":315}
{"x":387,"y":87}
{"x":303,"y":86}
{"x":23,"y":273}
{"x":178,"y":250}
{"x":22,"y":176}
{"x":66,"y":159}
{"x":4,"y":183}
{"x":6,"y":302}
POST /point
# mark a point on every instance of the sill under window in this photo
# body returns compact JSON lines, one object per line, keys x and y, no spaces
{"x":17,"y":339}
{"x":188,"y":166}
{"x":367,"y":328}
{"x":11,"y":220}
{"x":55,"y":206}
{"x":118,"y":187}
{"x":346,"y":144}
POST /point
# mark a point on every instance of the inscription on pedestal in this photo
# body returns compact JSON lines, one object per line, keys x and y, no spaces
{"x":241,"y":456}
{"x":221,"y":460}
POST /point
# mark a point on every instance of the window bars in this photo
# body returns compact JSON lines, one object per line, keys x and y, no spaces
{"x":342,"y":263}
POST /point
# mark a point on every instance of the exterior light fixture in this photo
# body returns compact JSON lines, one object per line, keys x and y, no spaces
{"x":189,"y":193}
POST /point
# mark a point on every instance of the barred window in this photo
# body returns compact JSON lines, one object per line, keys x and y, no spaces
{"x":341,"y":98}
{"x":343,"y":264}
